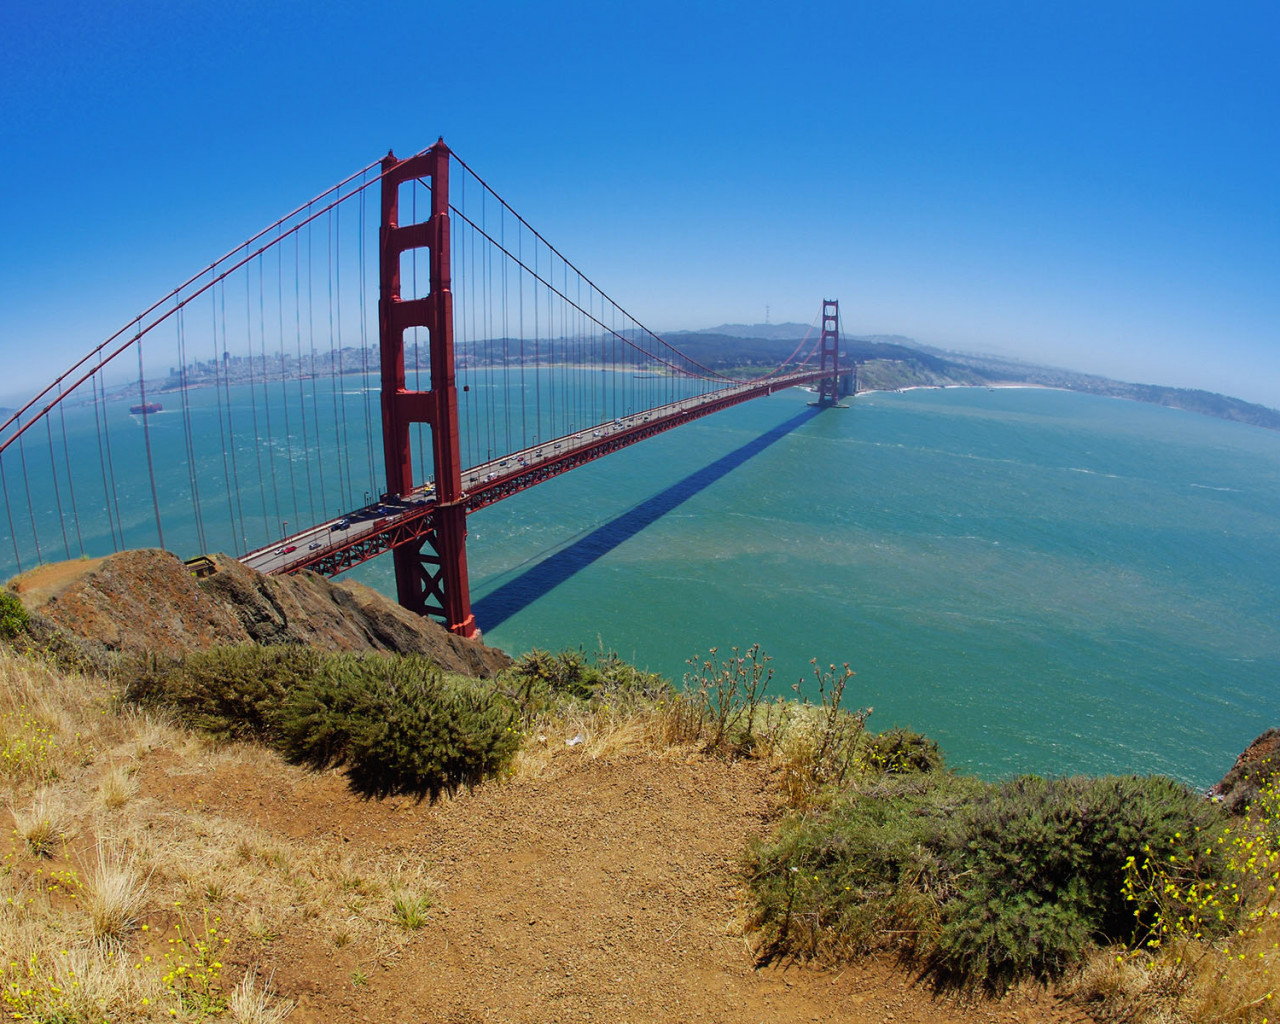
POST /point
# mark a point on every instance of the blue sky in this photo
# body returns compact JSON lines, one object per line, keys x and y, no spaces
{"x":1093,"y":185}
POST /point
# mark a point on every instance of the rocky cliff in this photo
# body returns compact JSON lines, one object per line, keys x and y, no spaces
{"x":147,"y":600}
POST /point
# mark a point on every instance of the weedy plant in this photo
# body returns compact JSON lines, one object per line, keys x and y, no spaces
{"x":1209,"y":941}
{"x":411,"y":910}
{"x":729,"y":694}
{"x":28,"y":748}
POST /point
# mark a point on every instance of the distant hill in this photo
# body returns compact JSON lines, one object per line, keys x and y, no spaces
{"x":758,"y":332}
{"x":891,"y":362}
{"x":1208,"y":403}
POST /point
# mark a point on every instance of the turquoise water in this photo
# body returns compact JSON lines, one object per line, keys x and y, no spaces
{"x":1042,"y":581}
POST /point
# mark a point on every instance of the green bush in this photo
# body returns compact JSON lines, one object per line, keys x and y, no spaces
{"x":13,"y":616}
{"x":232,"y":692}
{"x":869,"y":872}
{"x":396,"y":725}
{"x":1046,"y":866}
{"x":982,"y":883}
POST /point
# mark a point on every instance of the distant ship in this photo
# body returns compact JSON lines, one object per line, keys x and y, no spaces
{"x":150,"y":407}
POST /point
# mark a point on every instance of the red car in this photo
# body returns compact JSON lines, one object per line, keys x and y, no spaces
{"x":291,"y":549}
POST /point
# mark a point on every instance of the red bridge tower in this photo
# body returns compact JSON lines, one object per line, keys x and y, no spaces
{"x":431,"y":572}
{"x":829,"y":347}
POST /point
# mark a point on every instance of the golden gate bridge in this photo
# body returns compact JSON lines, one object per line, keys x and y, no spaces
{"x":497,"y":364}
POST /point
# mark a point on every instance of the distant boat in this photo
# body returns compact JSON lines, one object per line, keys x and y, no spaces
{"x":142,"y":410}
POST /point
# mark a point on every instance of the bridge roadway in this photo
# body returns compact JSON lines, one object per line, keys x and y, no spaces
{"x":339,"y":544}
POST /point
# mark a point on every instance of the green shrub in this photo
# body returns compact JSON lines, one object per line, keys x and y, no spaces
{"x":982,"y":883}
{"x":1046,"y":863}
{"x":396,"y":725}
{"x":13,"y":616}
{"x":869,"y":872}
{"x":232,"y":692}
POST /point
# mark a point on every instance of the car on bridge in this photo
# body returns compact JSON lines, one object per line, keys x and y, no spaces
{"x":341,"y":524}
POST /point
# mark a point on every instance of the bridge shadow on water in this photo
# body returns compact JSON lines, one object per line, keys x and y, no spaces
{"x":518,"y":593}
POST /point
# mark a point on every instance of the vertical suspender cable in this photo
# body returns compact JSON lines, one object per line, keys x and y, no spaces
{"x":506,"y":336}
{"x":314,"y":375}
{"x":8,"y":508}
{"x":260,"y":482}
{"x":57,"y":496}
{"x":193,"y":471}
{"x":302,"y":394}
{"x":71,"y":484}
{"x":26,"y":486}
{"x":487,"y":259}
{"x":284,"y":377}
{"x":266,"y":396}
{"x":365,"y":389}
{"x":524,"y":412}
{"x":337,"y":287}
{"x":146,"y":438}
{"x":104,"y":460}
{"x":242,"y":534}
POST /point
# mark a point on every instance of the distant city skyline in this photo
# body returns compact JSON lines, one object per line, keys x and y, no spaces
{"x":1091,"y":186}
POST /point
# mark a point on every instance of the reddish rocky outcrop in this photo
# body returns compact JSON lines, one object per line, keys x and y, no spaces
{"x":147,"y":600}
{"x":1259,"y":763}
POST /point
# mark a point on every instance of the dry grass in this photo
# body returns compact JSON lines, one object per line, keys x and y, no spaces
{"x":1243,"y":988}
{"x":76,"y":985}
{"x":74,"y":758}
{"x":116,"y":891}
{"x":591,"y":732}
{"x":44,"y":825}
{"x":254,"y":1003}
{"x":117,"y":786}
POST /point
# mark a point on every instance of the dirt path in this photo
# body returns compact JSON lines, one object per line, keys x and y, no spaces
{"x":603,"y":890}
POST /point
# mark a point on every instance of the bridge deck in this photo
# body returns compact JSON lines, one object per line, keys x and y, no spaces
{"x":344,"y":542}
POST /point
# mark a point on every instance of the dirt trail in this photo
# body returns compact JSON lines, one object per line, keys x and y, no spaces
{"x":602,"y":890}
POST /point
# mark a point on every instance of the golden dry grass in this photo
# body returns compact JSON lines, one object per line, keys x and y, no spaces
{"x":44,"y":824}
{"x":115,"y":893}
{"x":253,"y":1002}
{"x":117,"y":786}
{"x":89,"y":861}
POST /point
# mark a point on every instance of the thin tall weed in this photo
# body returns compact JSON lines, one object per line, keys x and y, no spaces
{"x":729,"y":692}
{"x":1211,"y":941}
